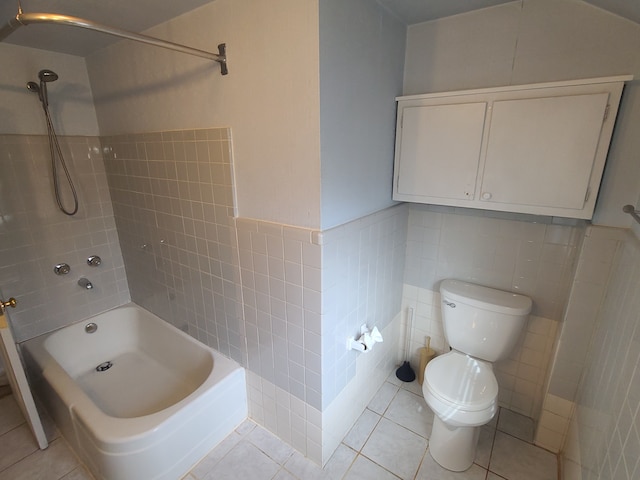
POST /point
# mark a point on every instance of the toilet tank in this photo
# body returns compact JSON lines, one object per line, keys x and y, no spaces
{"x":480,"y":321}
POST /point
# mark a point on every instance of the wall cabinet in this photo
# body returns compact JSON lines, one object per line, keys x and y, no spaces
{"x":538,"y":149}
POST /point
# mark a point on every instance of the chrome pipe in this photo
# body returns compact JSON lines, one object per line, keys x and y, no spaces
{"x":24,"y":19}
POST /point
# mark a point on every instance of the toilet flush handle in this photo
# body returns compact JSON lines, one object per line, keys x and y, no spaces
{"x":449,"y":304}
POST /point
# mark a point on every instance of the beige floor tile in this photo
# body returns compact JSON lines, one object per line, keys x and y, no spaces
{"x":340,"y":462}
{"x":214,"y":456}
{"x":78,"y":473}
{"x":517,"y":460}
{"x":485,"y":444}
{"x":10,"y":414}
{"x":266,"y":441}
{"x":516,"y":425}
{"x":430,"y":470}
{"x":411,"y":411}
{"x":395,"y":448}
{"x":303,"y":468}
{"x":16,"y":445}
{"x":393,"y":379}
{"x":365,"y":469}
{"x":53,"y":463}
{"x":383,"y":397}
{"x":284,"y":475}
{"x":245,"y":460}
{"x":245,"y":427}
{"x":359,"y":433}
{"x":413,"y":387}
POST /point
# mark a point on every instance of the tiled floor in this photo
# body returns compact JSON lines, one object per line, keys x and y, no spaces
{"x":389,"y":441}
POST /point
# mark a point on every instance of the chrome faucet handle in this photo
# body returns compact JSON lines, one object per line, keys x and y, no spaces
{"x":94,"y":261}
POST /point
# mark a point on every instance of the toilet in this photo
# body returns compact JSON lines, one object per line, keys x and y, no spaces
{"x":482,"y":325}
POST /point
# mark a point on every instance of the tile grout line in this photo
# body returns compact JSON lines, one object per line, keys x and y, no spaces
{"x":22,"y":458}
{"x":346,"y":472}
{"x":424,"y":455}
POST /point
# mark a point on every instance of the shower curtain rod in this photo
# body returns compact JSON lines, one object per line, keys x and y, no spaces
{"x":23,"y":19}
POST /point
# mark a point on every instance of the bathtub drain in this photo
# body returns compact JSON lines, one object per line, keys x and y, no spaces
{"x":104,"y":366}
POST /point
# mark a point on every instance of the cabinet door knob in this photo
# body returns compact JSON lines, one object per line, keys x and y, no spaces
{"x":486,"y":196}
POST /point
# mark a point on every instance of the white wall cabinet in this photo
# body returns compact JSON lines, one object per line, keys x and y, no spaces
{"x":538,"y":149}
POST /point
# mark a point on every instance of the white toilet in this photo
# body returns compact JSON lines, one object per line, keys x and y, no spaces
{"x":482,"y":325}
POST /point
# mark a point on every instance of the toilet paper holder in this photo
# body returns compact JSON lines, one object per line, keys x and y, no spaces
{"x":366,"y":340}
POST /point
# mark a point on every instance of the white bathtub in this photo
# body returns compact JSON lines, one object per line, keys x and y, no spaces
{"x":164,"y":403}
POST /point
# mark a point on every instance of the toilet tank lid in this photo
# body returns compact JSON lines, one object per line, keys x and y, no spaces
{"x":485,"y":297}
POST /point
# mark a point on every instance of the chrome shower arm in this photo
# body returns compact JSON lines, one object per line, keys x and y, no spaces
{"x":23,"y":19}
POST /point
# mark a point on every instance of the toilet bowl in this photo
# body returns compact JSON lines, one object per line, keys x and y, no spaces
{"x":461,"y":390}
{"x":482,"y":325}
{"x":463,"y":394}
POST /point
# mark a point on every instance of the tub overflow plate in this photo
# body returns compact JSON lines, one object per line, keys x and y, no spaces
{"x":104,"y":366}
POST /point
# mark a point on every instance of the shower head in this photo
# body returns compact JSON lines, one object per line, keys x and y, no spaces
{"x":47,"y":76}
{"x":33,"y":87}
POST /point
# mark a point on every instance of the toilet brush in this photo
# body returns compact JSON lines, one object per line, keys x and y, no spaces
{"x":405,"y":372}
{"x":426,"y":354}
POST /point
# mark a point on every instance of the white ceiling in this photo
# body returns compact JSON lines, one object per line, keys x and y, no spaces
{"x":139,"y":15}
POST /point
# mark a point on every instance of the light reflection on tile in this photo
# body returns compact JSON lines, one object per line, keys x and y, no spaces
{"x":412,"y":412}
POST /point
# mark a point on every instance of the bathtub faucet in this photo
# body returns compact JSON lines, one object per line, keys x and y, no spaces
{"x":84,"y":283}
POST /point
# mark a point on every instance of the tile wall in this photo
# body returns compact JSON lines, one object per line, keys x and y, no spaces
{"x":362,"y":274}
{"x":281,"y":287}
{"x":304,"y":293}
{"x":35,"y":235}
{"x":173,"y":203}
{"x":604,"y":432}
{"x":535,"y":256}
{"x":372,"y":369}
{"x":595,"y":264}
{"x":290,"y":418}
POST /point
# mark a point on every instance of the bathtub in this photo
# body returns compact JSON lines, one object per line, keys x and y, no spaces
{"x":137,"y":398}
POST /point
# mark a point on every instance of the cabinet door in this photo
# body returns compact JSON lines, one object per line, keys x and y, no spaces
{"x":541,"y":150}
{"x":439,"y":151}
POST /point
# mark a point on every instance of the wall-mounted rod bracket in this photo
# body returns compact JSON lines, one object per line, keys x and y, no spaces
{"x":631,"y":210}
{"x":24,"y":19}
{"x":222,"y":58}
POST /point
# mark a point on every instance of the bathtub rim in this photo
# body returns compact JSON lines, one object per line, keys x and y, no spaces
{"x":113,"y":433}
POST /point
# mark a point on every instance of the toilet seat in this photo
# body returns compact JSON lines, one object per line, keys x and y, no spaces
{"x":460,"y":389}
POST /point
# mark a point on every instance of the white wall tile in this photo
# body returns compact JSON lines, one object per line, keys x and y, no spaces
{"x":189,"y":271}
{"x":36,"y":235}
{"x":535,"y":259}
{"x":602,"y":436}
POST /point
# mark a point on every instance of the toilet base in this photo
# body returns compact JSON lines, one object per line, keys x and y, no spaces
{"x":453,"y":448}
